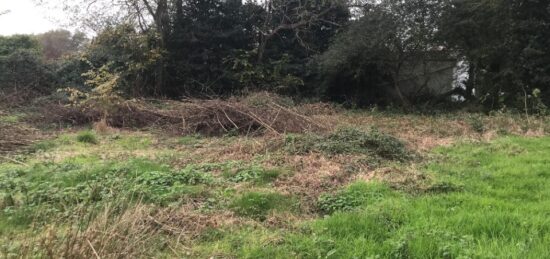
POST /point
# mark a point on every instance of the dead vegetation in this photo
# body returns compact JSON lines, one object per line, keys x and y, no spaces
{"x":131,"y":234}
{"x":255,"y":115}
{"x":16,"y":136}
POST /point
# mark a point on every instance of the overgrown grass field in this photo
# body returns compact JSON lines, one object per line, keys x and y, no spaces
{"x":366,"y":189}
{"x":489,"y":201}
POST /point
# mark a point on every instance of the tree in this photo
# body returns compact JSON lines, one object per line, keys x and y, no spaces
{"x":292,"y":19}
{"x":55,"y":44}
{"x":22,"y":66}
{"x":205,"y":35}
{"x":504,"y":43}
{"x":373,"y":55}
{"x":133,"y":56}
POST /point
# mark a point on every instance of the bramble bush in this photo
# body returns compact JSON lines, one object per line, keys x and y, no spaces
{"x":350,"y":141}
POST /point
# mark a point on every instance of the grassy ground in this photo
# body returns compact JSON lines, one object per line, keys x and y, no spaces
{"x":449,"y":186}
{"x":490,"y":201}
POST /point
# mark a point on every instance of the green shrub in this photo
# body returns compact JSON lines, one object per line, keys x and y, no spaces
{"x":355,"y":195}
{"x":350,"y":141}
{"x":257,"y":205}
{"x":87,"y":137}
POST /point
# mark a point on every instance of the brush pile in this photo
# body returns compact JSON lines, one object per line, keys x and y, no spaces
{"x":15,"y":136}
{"x":256,"y":114}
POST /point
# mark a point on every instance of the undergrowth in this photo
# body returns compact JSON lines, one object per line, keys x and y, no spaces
{"x":350,"y":141}
{"x":257,"y":205}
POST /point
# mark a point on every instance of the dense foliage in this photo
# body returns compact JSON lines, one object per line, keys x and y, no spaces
{"x":41,"y":63}
{"x":505,"y":43}
{"x":359,"y":52}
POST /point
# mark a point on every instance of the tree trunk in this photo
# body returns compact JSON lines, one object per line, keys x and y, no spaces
{"x":397,"y":87}
{"x":162,"y":21}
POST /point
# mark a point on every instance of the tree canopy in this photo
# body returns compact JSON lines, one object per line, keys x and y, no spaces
{"x":361,"y":52}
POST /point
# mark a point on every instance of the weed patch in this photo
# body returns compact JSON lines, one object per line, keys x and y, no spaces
{"x":350,"y":141}
{"x":48,"y":189}
{"x":10,"y":119}
{"x":167,"y":186}
{"x":257,"y":205}
{"x":43,"y":146}
{"x":255,"y":174}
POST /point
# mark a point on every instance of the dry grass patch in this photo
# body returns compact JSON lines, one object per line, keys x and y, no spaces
{"x":313,"y":175}
{"x":407,"y":179}
{"x":139,"y":232}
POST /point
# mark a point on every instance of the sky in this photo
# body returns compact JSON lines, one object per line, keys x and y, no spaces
{"x":25,"y":18}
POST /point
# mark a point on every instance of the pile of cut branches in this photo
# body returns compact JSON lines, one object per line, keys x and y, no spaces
{"x":208,"y":117}
{"x":16,"y":136}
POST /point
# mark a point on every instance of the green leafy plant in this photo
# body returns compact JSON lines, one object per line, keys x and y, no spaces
{"x":256,"y":174}
{"x":273,"y":75}
{"x":353,"y":196}
{"x":104,"y":94}
{"x":257,"y":205}
{"x":167,"y":186}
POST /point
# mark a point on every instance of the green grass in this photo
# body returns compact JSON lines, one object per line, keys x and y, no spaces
{"x":484,"y":200}
{"x":354,"y":196}
{"x":190,"y":140}
{"x":500,"y":209}
{"x":55,"y":190}
{"x":132,"y":142}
